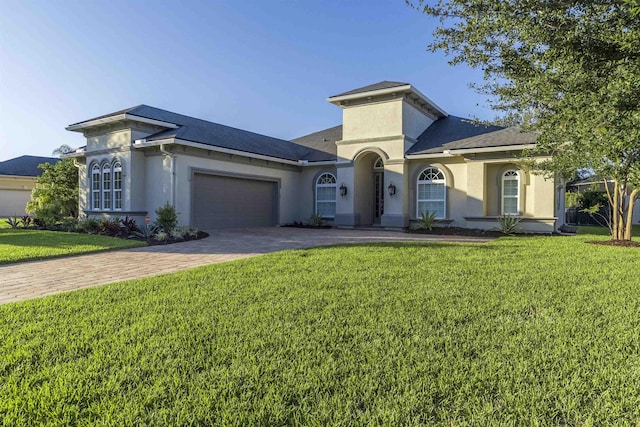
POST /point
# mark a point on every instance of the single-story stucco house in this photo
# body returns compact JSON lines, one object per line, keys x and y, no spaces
{"x":17,"y":179}
{"x":396,"y":155}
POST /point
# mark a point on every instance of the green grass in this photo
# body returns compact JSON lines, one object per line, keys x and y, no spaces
{"x":519,"y":331}
{"x":26,"y":245}
{"x":604,"y":231}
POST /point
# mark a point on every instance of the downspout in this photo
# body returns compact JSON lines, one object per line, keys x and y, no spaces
{"x":173,"y":172}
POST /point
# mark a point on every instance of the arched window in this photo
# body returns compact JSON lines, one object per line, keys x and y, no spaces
{"x":95,"y":187}
{"x":117,"y":185}
{"x":379,"y":164}
{"x":510,"y":193}
{"x":326,"y":195}
{"x":106,"y":187}
{"x":432,"y":193}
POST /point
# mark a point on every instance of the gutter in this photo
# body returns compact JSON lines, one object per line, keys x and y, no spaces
{"x":462,"y":151}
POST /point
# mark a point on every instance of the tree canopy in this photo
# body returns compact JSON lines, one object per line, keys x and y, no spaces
{"x":567,"y":70}
{"x":56,"y":193}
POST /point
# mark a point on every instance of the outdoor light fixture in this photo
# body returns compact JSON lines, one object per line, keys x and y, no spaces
{"x":392,"y":190}
{"x":343,"y":190}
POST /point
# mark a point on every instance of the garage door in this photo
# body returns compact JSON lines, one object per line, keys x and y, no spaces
{"x":230,"y":202}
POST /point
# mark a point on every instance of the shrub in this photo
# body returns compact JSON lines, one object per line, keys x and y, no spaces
{"x":88,"y":225}
{"x":69,"y":224}
{"x":26,"y":221}
{"x":161,"y":236}
{"x":109,"y":226}
{"x":13,"y":222}
{"x":178,"y":233}
{"x":508,"y":224}
{"x":145,"y":232}
{"x":48,"y":215}
{"x":427,"y":220}
{"x":166,"y":218}
{"x":128,"y":226}
{"x":316,"y":221}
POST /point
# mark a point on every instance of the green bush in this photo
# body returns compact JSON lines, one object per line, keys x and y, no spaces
{"x":591,"y":198}
{"x":166,"y":218}
{"x":316,"y":221}
{"x":69,"y":224}
{"x":88,"y":225}
{"x":572,"y":200}
{"x":427,"y":220}
{"x":508,"y":224}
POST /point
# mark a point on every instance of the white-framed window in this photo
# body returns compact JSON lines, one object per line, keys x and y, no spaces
{"x":379,"y":164}
{"x":510,"y":193}
{"x":326,"y":195}
{"x":432,"y":193}
{"x":117,"y":186}
{"x":95,"y":187}
{"x":106,"y":187}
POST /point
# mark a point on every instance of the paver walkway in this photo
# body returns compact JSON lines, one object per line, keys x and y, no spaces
{"x":38,"y":278}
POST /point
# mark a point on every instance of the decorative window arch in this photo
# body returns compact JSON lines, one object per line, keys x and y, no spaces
{"x":432,"y":193}
{"x":326,"y":195}
{"x":510,"y":192}
{"x":117,"y":185}
{"x":96,"y":181}
{"x":379,"y":164}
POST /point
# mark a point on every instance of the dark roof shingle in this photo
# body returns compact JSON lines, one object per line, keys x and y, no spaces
{"x":25,"y":165}
{"x":451,"y":133}
{"x":324,"y":141}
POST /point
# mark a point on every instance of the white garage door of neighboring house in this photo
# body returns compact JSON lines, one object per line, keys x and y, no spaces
{"x":231,"y":202}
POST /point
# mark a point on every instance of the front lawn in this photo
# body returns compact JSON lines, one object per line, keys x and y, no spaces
{"x":519,"y":331}
{"x":604,"y":231}
{"x":26,"y":245}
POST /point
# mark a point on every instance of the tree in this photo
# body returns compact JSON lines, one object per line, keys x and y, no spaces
{"x":63,"y":149}
{"x":56,"y":193}
{"x":567,"y":70}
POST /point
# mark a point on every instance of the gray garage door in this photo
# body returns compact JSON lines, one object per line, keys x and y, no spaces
{"x":229,"y":202}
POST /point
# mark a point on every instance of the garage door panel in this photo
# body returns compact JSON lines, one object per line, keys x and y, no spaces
{"x":229,"y":202}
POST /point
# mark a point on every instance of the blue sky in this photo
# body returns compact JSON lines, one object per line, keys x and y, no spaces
{"x":263,"y":66}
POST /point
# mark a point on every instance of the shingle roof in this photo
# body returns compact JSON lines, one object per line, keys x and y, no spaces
{"x":376,"y":86}
{"x":450,"y":133}
{"x":217,"y":135}
{"x":115,"y":113}
{"x":324,"y":141}
{"x":25,"y":165}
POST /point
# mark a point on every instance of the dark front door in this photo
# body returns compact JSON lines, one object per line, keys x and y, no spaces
{"x":378,"y":196}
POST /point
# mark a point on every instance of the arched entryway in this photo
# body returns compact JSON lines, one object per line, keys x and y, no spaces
{"x":369,"y":192}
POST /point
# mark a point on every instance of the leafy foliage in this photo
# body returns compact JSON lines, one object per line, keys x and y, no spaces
{"x":316,"y":220}
{"x":89,"y":226}
{"x":166,"y":218}
{"x":13,"y":222}
{"x":56,"y":192}
{"x":568,"y":71}
{"x":509,"y":224}
{"x":427,"y":220}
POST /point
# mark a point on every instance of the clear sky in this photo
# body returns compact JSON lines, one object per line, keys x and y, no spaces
{"x":264,"y":66}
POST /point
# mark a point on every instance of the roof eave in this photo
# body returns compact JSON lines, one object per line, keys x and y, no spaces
{"x":337,"y":100}
{"x":79,"y":127}
{"x":463,"y":151}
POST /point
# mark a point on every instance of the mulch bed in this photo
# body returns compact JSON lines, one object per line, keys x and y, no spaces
{"x":460,"y":231}
{"x":620,"y":243}
{"x":297,"y":225}
{"x":201,"y":235}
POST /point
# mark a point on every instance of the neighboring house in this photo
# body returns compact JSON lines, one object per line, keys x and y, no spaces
{"x":17,"y":179}
{"x":396,"y":155}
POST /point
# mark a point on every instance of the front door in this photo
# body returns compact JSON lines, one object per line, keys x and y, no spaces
{"x":378,"y":196}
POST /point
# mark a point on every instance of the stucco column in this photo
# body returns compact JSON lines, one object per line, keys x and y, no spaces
{"x":345,"y":206}
{"x":476,"y":178}
{"x":395,"y":206}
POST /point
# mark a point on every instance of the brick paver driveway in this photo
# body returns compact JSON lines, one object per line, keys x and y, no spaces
{"x":38,"y":278}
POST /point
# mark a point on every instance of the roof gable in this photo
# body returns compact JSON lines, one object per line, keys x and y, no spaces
{"x":370,"y":88}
